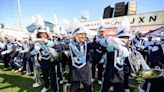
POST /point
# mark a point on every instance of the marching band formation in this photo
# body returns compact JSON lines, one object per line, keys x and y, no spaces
{"x":114,"y":59}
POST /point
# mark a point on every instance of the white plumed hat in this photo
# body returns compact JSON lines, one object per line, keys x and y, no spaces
{"x":124,"y":28}
{"x":101,"y":28}
{"x":78,"y":31}
{"x":42,"y":29}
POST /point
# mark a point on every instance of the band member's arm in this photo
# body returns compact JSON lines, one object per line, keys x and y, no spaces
{"x":61,"y":47}
{"x":93,"y":45}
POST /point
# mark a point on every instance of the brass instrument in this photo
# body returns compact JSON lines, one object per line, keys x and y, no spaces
{"x":140,"y":68}
{"x":151,"y":73}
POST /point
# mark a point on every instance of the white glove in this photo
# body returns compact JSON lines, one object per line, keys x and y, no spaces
{"x":37,"y":46}
{"x":40,"y":40}
{"x":44,"y":40}
{"x":6,"y":52}
{"x":116,"y":42}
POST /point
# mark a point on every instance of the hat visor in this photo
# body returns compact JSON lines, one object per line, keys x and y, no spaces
{"x":80,"y":32}
{"x":124,"y":36}
{"x":101,"y":30}
{"x":42,"y":31}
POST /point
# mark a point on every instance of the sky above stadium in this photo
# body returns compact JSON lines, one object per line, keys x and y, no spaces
{"x":64,"y":9}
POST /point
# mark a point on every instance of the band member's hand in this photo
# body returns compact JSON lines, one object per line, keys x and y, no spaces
{"x":115,"y":42}
{"x":45,"y":40}
{"x":40,"y":40}
{"x":37,"y":46}
{"x":52,"y":59}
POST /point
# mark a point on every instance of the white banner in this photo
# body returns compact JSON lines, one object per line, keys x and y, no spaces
{"x":154,"y":18}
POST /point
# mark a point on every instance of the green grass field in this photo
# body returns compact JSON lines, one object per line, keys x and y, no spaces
{"x":16,"y":82}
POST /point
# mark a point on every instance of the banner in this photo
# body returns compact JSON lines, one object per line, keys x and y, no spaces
{"x":154,"y":18}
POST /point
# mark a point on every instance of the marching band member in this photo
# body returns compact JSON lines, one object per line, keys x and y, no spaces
{"x":114,"y":71}
{"x":46,"y":60}
{"x":147,"y":46}
{"x":149,"y":42}
{"x":97,"y":57}
{"x":117,"y":52}
{"x":127,"y":41}
{"x":138,"y":43}
{"x":37,"y":69}
{"x":65,"y":54}
{"x":80,"y":68}
{"x":28,"y":47}
{"x":55,"y":38}
{"x":5,"y":57}
{"x":13,"y":56}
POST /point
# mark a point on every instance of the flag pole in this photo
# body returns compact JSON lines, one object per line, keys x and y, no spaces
{"x":19,"y":14}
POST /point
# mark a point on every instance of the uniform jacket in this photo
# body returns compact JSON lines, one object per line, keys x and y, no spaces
{"x":84,"y":73}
